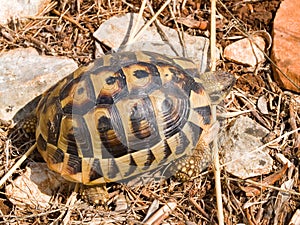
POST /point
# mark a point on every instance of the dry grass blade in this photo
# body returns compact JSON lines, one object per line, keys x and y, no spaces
{"x":293,"y":121}
{"x":217,"y":171}
{"x":70,"y":19}
{"x":161,"y":214}
{"x":180,"y":32}
{"x":213,"y":36}
{"x":259,"y":184}
{"x":161,"y":32}
{"x":140,"y":33}
{"x":135,"y":27}
{"x":66,"y":211}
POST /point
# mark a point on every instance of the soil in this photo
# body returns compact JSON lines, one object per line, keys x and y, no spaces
{"x":195,"y":200}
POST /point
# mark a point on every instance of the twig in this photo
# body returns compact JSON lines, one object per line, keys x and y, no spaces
{"x":213,"y":36}
{"x":70,"y":203}
{"x":13,"y":219}
{"x":161,"y":214}
{"x":160,"y":31}
{"x":259,"y":184}
{"x":292,"y":120}
{"x":69,"y":19}
{"x":217,"y":171}
{"x":193,"y":201}
{"x":139,"y":18}
{"x":149,"y":22}
{"x":180,"y":34}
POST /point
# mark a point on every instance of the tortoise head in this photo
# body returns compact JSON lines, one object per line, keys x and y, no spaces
{"x":217,"y":84}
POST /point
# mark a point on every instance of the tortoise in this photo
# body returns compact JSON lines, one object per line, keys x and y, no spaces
{"x":125,"y":114}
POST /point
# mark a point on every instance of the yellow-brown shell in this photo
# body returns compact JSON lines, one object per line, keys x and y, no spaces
{"x":120,"y":116}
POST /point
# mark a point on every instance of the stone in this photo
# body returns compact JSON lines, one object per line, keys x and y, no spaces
{"x":286,"y":45}
{"x":195,"y":47}
{"x":245,"y":52}
{"x":24,"y":74}
{"x":239,"y":146}
{"x":20,"y":8}
{"x":262,"y":105}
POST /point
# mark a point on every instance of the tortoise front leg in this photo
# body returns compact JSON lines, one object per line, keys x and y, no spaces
{"x":95,"y":194}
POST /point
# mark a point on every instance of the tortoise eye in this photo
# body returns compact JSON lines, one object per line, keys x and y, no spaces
{"x":110,"y":80}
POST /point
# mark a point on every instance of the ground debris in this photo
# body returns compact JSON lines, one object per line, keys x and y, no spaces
{"x":65,"y":28}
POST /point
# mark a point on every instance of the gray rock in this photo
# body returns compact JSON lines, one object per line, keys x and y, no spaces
{"x":239,"y":147}
{"x":20,"y":8}
{"x":24,"y":74}
{"x":115,"y":33}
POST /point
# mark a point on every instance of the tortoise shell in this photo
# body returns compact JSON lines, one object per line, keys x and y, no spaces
{"x":122,"y":115}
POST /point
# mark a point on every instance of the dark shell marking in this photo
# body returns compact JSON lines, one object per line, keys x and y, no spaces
{"x":122,"y":115}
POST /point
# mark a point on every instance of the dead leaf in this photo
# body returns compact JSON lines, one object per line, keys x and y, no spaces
{"x":255,"y":191}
